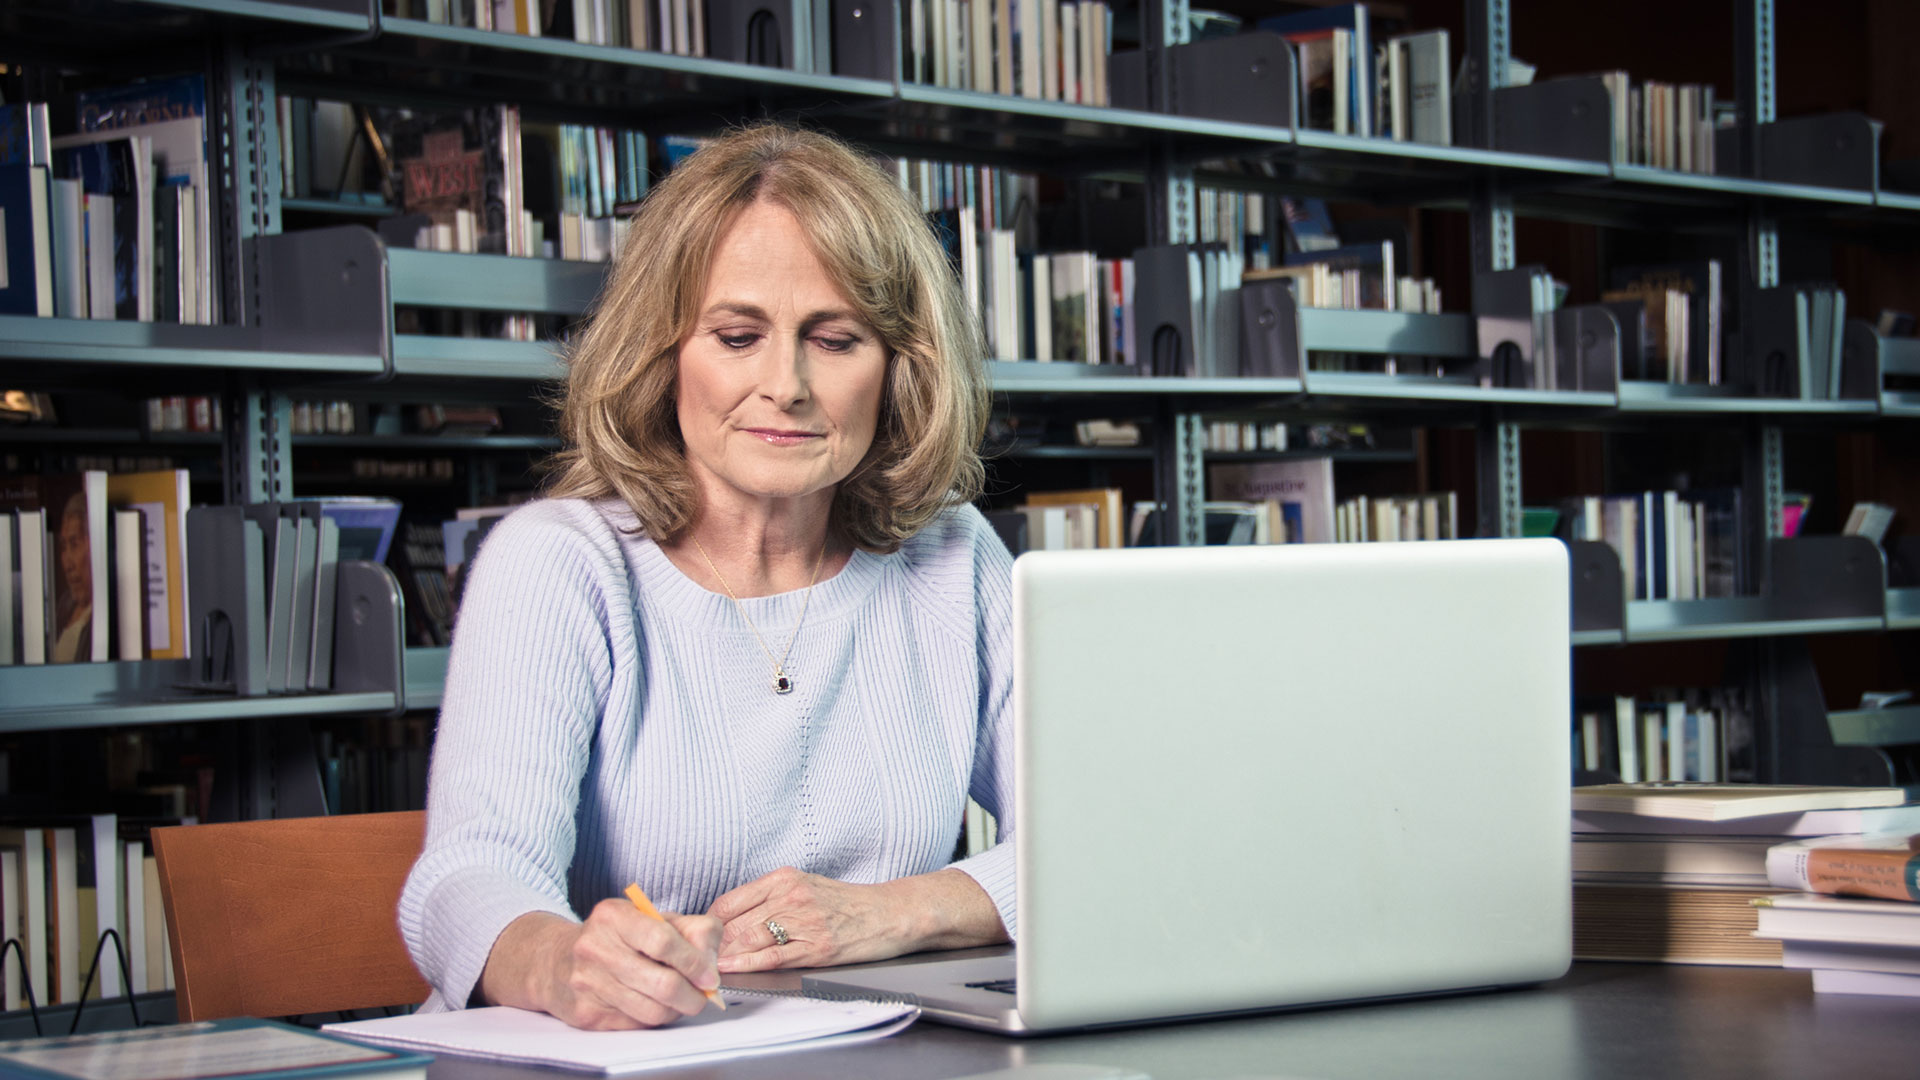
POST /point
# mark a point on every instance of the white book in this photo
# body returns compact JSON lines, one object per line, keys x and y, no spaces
{"x":980,"y":45}
{"x":69,"y":228}
{"x":159,"y":957}
{"x":1070,"y":52}
{"x":938,"y":22}
{"x":106,"y":904}
{"x":1003,"y":50}
{"x":1428,"y":96}
{"x":1878,"y":983}
{"x":1626,"y":733}
{"x":31,"y":538}
{"x":1030,"y":72}
{"x":1343,"y":103}
{"x":970,"y":264}
{"x":31,"y":901}
{"x":98,"y":219}
{"x":129,"y":585}
{"x":142,"y":151}
{"x":1841,"y":956}
{"x":133,"y":903}
{"x":1049,"y":12}
{"x":1042,"y":285}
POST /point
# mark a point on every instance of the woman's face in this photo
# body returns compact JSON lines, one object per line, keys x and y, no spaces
{"x":780,"y":383}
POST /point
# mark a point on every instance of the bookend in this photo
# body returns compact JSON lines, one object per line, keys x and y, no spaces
{"x":109,"y":935}
{"x":1840,"y":150}
{"x":1246,"y":78}
{"x":1569,"y":118}
{"x":1803,"y":749}
{"x":1271,"y":343}
{"x":226,"y":601}
{"x":1860,"y":363}
{"x":767,"y":33}
{"x":1599,"y":586}
{"x":1511,"y":328}
{"x":368,"y":646}
{"x":866,"y":39}
{"x":325,"y":291}
{"x":1903,"y":562}
{"x":1586,"y":349}
{"x":1163,"y":292}
{"x":1825,"y":577}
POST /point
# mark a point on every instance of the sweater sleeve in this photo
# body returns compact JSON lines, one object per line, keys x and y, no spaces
{"x":992,"y":782}
{"x":528,"y":675}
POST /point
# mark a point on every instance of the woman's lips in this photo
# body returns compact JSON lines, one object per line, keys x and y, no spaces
{"x":779,"y":437}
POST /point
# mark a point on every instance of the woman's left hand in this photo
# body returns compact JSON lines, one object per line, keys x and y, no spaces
{"x":826,"y":922}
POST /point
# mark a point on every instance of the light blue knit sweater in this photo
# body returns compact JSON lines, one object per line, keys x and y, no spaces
{"x":608,"y":720}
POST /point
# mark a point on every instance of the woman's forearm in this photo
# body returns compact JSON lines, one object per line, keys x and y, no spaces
{"x":519,"y":970}
{"x":952,"y":911}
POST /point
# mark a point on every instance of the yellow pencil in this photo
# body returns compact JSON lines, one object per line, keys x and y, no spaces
{"x":646,"y":907}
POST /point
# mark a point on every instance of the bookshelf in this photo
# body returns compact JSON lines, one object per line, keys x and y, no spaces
{"x":312,"y":311}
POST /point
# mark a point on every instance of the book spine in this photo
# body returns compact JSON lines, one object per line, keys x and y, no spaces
{"x":1882,"y":873}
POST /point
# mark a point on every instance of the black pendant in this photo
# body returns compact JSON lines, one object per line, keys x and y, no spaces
{"x":782,"y":684}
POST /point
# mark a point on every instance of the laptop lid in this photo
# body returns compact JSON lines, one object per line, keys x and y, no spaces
{"x":1256,"y":777}
{"x":1259,"y":777}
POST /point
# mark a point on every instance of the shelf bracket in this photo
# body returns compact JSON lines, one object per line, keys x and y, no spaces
{"x":1497,"y":460}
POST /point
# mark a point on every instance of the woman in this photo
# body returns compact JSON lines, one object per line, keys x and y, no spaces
{"x":754,"y":653}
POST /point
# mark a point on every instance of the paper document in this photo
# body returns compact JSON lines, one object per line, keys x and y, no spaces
{"x":754,"y":1023}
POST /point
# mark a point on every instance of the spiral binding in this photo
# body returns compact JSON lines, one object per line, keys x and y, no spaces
{"x":876,"y":997}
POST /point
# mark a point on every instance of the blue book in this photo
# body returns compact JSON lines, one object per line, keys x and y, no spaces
{"x":366,"y":526}
{"x":148,"y":102}
{"x":236,"y":1049}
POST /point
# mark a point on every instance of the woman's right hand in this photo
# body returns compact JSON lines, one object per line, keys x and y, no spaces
{"x":618,"y":970}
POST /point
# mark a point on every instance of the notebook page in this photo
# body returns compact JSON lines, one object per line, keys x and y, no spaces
{"x":752,"y":1024}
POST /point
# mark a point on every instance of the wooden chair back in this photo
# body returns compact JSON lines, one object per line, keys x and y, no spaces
{"x":288,"y":917}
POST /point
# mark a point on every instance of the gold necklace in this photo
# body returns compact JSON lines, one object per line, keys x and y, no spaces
{"x":782,"y":682}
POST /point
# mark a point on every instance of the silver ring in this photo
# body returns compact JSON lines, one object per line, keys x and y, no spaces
{"x":779,"y":932}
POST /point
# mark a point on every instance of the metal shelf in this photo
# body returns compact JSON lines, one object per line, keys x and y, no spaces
{"x":1876,"y":727}
{"x":475,"y":358}
{"x":1903,"y":609}
{"x":109,"y":437}
{"x":1430,"y":388}
{"x":426,"y":63}
{"x":336,"y":207}
{"x":140,"y":692}
{"x":492,"y":282}
{"x":427,"y":442}
{"x":1727,"y":617}
{"x":157,"y":346}
{"x":1658,"y":397}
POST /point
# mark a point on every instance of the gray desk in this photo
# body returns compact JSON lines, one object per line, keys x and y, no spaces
{"x":1642,"y":1021}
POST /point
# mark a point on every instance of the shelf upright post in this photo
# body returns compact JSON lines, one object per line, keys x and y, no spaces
{"x":1179,"y":467}
{"x":1763,"y":464}
{"x":1497,"y":440}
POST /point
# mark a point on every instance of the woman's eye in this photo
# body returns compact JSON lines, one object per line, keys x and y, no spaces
{"x":736,"y":341}
{"x":836,"y":344}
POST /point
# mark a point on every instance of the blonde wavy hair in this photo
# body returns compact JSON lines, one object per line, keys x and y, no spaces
{"x":617,"y":412}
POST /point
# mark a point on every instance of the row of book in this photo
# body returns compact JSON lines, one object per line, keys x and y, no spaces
{"x":1244,"y":436}
{"x":66,"y":881}
{"x":1700,"y":735}
{"x":114,"y":220}
{"x":93,"y":567}
{"x":1673,"y":545}
{"x":192,"y":412}
{"x":1397,"y":89}
{"x":678,"y":27}
{"x":1811,"y":878}
{"x":1051,"y":50}
{"x":1665,"y":126}
{"x":1388,"y":518}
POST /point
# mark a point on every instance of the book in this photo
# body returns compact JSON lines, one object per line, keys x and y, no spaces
{"x":366,"y":525}
{"x":234,"y":1049}
{"x":1108,"y":528}
{"x":1723,"y":802}
{"x":1688,"y":924}
{"x":27,"y":907}
{"x":1882,"y":866}
{"x":1303,"y":483}
{"x":1818,"y":917}
{"x":1694,"y":860}
{"x":754,"y":1023}
{"x":161,"y":498}
{"x":1850,"y":956}
{"x":74,"y":507}
{"x":1887,"y":819}
{"x":1882,"y":983}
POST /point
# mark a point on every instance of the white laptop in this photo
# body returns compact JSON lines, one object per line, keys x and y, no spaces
{"x":1252,"y":778}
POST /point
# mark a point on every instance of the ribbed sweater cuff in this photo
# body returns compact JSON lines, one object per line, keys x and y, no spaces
{"x":471,"y":908}
{"x":993,"y":871}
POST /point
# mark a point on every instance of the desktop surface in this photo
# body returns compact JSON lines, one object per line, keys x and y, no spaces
{"x":1645,"y":1021}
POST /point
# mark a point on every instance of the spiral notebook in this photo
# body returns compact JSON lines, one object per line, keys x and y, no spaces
{"x":755,"y":1022}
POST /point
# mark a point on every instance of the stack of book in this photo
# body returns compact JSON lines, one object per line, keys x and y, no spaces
{"x":1662,"y":125}
{"x":1672,"y":873}
{"x":1855,"y":921}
